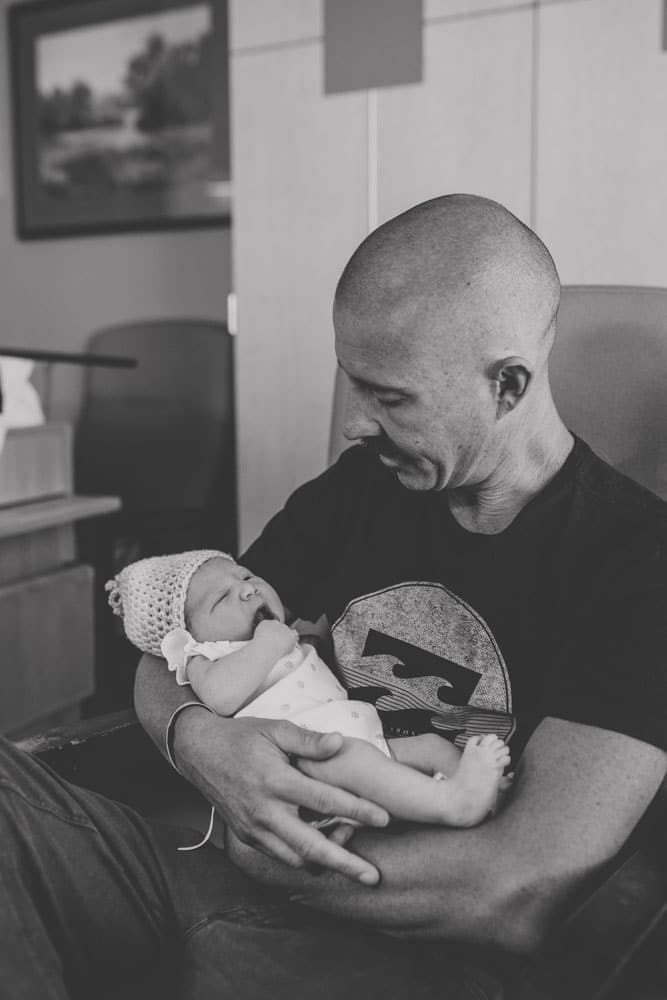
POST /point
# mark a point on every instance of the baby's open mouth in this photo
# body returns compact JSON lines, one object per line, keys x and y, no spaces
{"x":262,"y":614}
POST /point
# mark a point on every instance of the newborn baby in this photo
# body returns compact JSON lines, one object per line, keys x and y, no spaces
{"x":222,"y":630}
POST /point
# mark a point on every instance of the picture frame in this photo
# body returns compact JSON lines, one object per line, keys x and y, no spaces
{"x":120,"y":114}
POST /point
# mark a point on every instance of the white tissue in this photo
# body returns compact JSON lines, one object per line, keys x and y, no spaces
{"x":20,"y":402}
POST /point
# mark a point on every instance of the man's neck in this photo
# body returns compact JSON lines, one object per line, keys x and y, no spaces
{"x":521,"y":474}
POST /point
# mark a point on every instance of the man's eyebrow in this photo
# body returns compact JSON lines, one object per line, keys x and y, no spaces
{"x":376,"y":386}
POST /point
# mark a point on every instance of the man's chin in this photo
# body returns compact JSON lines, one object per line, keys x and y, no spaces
{"x":413,"y":478}
{"x":408,"y":474}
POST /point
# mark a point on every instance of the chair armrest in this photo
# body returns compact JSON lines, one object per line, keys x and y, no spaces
{"x":110,"y":754}
{"x":78,"y":734}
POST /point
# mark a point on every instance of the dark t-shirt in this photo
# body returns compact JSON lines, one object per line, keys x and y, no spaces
{"x":562,"y":614}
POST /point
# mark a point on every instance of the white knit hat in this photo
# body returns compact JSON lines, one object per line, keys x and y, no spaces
{"x":149,"y":595}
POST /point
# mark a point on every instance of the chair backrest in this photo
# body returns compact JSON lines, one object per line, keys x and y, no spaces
{"x":609,"y":375}
{"x":609,"y":378}
{"x":160,"y":436}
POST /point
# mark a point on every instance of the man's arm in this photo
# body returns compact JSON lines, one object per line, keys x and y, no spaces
{"x":579,"y":793}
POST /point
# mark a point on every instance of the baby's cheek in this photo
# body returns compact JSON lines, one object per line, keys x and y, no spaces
{"x":207,"y":627}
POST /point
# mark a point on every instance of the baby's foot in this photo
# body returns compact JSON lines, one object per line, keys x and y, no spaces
{"x":505,"y":786}
{"x":470,"y":793}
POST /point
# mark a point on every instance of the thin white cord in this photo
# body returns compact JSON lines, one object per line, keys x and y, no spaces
{"x":207,"y":836}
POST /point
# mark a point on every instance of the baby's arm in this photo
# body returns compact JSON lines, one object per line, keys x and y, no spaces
{"x":227,"y":684}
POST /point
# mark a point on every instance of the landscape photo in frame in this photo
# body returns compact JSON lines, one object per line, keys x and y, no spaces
{"x":121,"y":115}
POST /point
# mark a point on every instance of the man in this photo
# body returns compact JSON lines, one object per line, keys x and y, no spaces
{"x":444,"y":321}
{"x":480,"y":570}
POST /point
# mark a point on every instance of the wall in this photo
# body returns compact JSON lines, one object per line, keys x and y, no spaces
{"x":555,"y":108}
{"x":54,"y":293}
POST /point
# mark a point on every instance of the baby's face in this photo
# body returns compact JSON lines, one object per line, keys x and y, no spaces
{"x":225,"y":601}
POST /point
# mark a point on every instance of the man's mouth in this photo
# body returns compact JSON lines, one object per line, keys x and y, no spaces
{"x":385,"y":451}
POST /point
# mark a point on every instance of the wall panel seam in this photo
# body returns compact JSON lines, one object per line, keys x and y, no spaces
{"x":475,"y":15}
{"x":372,"y":164}
{"x":296,"y":43}
{"x":534,"y":114}
{"x":472,"y":15}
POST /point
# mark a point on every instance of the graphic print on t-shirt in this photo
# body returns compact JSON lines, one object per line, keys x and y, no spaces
{"x":426,"y":660}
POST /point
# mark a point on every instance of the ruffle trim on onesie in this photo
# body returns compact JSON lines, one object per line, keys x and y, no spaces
{"x":178,"y":646}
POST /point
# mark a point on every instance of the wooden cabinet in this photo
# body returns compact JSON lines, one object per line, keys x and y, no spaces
{"x":46,"y":596}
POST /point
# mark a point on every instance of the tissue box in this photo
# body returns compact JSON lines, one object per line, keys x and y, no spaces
{"x":35,"y":463}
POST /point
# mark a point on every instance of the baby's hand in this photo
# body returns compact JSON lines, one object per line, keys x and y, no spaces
{"x":281,"y":639}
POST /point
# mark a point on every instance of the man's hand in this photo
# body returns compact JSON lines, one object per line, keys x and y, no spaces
{"x":242,"y":767}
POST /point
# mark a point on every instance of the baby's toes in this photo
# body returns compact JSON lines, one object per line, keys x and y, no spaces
{"x":501,"y":756}
{"x":493,"y":745}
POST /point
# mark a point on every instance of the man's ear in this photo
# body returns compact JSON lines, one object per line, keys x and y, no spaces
{"x":511,"y":378}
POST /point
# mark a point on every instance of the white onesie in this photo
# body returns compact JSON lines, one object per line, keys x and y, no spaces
{"x":299,"y":687}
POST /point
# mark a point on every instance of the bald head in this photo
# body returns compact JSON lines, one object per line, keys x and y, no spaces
{"x":466,"y":269}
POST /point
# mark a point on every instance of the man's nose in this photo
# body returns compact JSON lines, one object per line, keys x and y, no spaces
{"x":359,"y":422}
{"x":247,"y":590}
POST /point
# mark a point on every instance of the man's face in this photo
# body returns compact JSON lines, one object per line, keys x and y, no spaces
{"x":428,"y":416}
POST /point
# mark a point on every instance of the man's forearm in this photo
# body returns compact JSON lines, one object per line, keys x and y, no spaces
{"x":579,"y":793}
{"x":419,"y":866}
{"x":157,"y":696}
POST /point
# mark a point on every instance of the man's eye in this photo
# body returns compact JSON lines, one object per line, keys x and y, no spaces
{"x":389,"y":401}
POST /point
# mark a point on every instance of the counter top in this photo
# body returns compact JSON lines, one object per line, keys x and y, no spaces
{"x":24,"y":518}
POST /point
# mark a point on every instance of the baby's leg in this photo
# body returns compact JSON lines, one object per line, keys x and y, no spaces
{"x":428,"y":753}
{"x":463,"y":800}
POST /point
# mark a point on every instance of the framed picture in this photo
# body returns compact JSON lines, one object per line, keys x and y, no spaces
{"x":120,"y":115}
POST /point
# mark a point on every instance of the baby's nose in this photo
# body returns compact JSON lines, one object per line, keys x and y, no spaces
{"x":248,"y":590}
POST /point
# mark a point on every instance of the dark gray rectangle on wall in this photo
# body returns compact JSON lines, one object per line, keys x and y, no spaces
{"x":371,"y":43}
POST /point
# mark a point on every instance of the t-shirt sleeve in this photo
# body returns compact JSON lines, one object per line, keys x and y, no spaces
{"x":613,"y":662}
{"x":299,"y":543}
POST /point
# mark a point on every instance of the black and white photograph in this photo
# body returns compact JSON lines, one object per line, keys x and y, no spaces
{"x":333,"y":500}
{"x":119,"y":123}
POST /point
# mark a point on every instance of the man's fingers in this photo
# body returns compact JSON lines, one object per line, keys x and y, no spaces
{"x":304,"y":743}
{"x":268,"y":844}
{"x":316,"y":850}
{"x":275,"y":848}
{"x":331,"y":801}
{"x":341,"y":833}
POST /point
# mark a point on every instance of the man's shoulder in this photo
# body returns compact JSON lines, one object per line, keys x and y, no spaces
{"x":616,"y":524}
{"x":609,"y":493}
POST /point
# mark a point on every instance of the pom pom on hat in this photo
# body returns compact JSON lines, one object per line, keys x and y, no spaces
{"x":149,"y":595}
